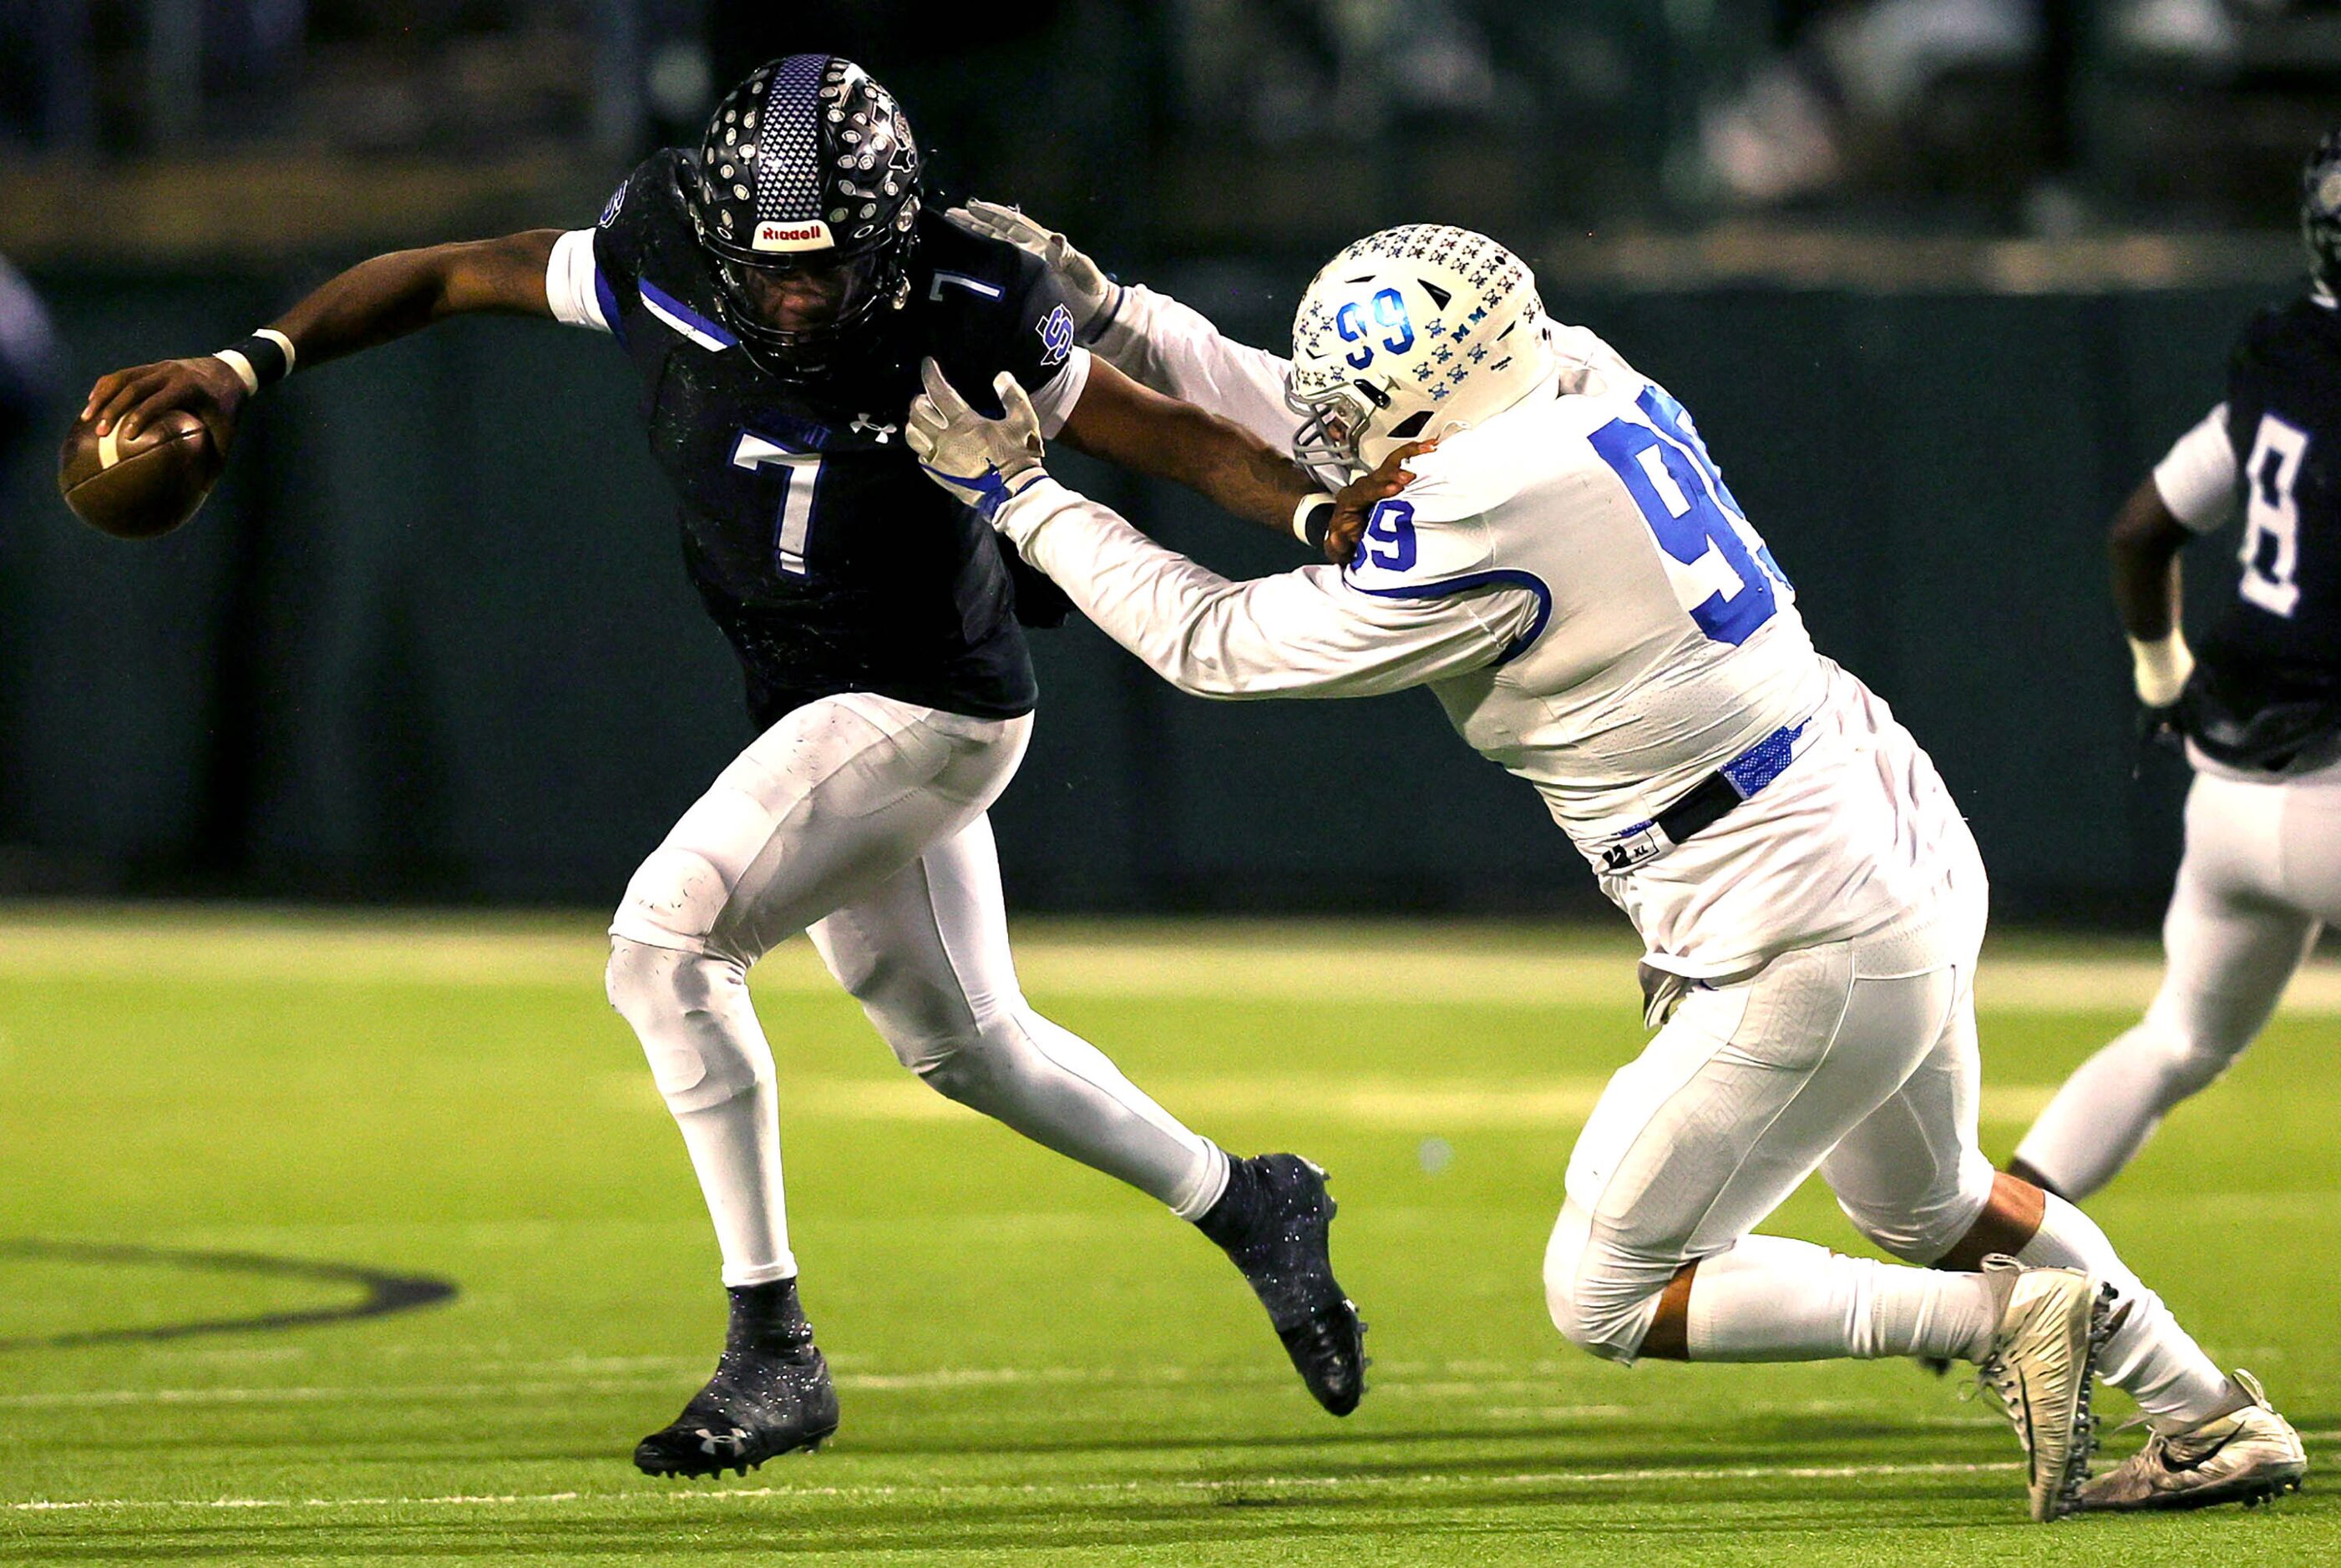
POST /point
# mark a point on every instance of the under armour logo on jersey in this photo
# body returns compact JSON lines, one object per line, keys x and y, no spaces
{"x":1056,"y":330}
{"x":865,"y":425}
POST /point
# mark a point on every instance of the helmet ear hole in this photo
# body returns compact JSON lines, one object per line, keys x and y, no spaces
{"x":1412,"y":425}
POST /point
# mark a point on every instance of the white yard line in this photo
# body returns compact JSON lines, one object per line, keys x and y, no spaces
{"x":1227,"y":1484}
{"x":1047,"y":1488}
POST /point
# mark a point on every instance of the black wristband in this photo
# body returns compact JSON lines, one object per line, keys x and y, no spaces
{"x":1318,"y":524}
{"x":267,"y":358}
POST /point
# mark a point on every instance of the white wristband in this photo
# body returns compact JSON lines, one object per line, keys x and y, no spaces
{"x":281,"y":342}
{"x":242,"y":369}
{"x":2160,"y":668}
{"x":1309,"y":503}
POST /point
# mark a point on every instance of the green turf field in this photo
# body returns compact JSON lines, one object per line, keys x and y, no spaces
{"x":1033,"y":1362}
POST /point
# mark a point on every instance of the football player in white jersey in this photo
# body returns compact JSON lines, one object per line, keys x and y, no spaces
{"x":1571,"y":577}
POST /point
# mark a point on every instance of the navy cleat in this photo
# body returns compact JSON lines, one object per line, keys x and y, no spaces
{"x":1273,"y":1222}
{"x":771,"y":1394}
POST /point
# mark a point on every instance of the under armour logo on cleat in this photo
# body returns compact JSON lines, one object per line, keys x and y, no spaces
{"x":722,"y":1444}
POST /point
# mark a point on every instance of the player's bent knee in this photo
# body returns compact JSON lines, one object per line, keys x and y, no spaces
{"x":2182,"y":1063}
{"x":1922,"y":1227}
{"x":1596,"y":1311}
{"x":968,"y":1063}
{"x":677,"y":1002}
{"x":674,"y":894}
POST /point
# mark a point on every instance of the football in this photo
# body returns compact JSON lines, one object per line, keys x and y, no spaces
{"x":142,"y":487}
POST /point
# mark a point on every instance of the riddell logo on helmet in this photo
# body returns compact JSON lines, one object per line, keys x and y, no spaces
{"x":812,"y":235}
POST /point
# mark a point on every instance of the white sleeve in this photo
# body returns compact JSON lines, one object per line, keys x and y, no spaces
{"x":2196,"y":480}
{"x":1168,"y":347}
{"x":572,"y":281}
{"x":1306,"y":633}
{"x":1055,"y":399}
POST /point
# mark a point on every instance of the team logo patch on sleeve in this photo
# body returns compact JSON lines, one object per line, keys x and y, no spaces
{"x":610,"y":212}
{"x":1056,"y":330}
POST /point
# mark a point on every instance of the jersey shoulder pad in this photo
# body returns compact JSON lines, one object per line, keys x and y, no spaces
{"x":993,"y":305}
{"x":643,"y":216}
{"x":1431,"y":534}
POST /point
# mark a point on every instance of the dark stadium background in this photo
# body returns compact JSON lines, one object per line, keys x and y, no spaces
{"x":431,"y":641}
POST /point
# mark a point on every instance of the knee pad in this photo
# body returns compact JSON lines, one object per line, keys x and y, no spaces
{"x":674,"y":893}
{"x":687,"y":1010}
{"x":1595,"y":1310}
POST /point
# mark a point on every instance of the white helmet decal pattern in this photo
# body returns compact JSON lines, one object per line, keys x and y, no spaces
{"x":1405,"y":327}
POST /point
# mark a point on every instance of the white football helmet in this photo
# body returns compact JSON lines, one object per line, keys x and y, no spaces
{"x":1414,"y":332}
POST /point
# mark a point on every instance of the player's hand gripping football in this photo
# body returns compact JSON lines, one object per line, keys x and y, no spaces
{"x":124,"y":402}
{"x":1359,"y":498}
{"x":982,"y":461}
{"x":1088,"y":292}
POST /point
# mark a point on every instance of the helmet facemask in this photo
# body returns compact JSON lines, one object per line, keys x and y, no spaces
{"x":794,"y":313}
{"x":1335,"y":421}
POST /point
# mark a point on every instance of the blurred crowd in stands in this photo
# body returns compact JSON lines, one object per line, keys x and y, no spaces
{"x":2017,"y":116}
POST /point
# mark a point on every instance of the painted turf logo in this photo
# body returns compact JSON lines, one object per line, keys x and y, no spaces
{"x":806,"y":236}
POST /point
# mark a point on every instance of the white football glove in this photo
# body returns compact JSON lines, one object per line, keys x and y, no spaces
{"x":983,"y":461}
{"x":1092,"y":296}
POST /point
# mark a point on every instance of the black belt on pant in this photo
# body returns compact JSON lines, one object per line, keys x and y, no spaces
{"x":1706,"y":802}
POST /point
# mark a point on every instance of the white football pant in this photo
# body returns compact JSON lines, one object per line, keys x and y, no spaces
{"x":2261,"y":876}
{"x":1857,"y":1059}
{"x":861,"y":820}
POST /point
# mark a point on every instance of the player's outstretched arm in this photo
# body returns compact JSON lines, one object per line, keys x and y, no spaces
{"x":1149,"y":337}
{"x":1122,"y":422}
{"x":371,"y":302}
{"x":1305,"y":633}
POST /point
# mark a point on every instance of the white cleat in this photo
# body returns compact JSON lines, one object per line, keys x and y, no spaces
{"x":2040,"y":1366}
{"x":2246,"y":1456}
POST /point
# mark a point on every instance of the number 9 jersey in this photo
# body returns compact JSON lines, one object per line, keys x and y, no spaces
{"x":1576,"y":583}
{"x":828,"y":559}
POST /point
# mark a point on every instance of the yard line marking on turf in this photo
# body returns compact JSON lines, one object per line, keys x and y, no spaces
{"x":994,"y":1488}
{"x":1215,"y":1485}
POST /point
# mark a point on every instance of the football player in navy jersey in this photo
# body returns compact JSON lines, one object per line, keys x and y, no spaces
{"x":2259,"y":714}
{"x":776,"y":290}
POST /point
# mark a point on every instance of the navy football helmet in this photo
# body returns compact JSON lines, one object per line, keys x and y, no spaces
{"x":2320,"y":212}
{"x":805,"y":196}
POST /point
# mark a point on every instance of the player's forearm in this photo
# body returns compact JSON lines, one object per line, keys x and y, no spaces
{"x":1148,"y":599}
{"x":2142,"y":550}
{"x":391,"y":295}
{"x":1174,"y":349}
{"x":1299,"y":634}
{"x":1214,"y":457}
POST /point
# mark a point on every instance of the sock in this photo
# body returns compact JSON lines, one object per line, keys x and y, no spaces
{"x":2149,"y":1356}
{"x":767,"y":1317}
{"x":1770,"y":1299}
